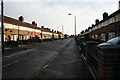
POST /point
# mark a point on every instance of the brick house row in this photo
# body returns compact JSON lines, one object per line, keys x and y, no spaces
{"x":105,"y":29}
{"x":104,"y":61}
{"x":14,"y":28}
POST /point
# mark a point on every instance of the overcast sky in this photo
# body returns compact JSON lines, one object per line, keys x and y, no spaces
{"x":54,"y":13}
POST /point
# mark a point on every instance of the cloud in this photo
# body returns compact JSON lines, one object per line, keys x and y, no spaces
{"x":55,"y":14}
{"x":60,"y":0}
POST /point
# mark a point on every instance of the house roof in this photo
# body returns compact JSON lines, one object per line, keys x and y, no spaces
{"x":25,"y":24}
{"x":17,"y":22}
{"x":110,"y":16}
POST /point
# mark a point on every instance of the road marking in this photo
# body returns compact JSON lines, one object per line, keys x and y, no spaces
{"x":49,"y":62}
{"x":56,"y":55}
{"x":19,"y":53}
{"x":10,"y":64}
{"x":45,"y":66}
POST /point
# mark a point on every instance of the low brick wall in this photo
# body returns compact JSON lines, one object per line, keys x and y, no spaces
{"x":108,"y":62}
{"x":92,"y":55}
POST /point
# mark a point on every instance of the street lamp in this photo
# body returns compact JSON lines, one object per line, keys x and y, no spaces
{"x":74,"y":22}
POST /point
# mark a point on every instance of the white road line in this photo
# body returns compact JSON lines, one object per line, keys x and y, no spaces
{"x":45,"y":66}
{"x":49,"y":62}
{"x":56,"y":54}
{"x":19,"y":53}
{"x":10,"y":64}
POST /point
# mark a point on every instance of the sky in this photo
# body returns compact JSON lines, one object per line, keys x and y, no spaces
{"x":54,"y":13}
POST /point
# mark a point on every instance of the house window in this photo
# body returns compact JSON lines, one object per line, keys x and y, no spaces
{"x":93,"y":36}
{"x":117,"y":19}
{"x":0,"y":37}
{"x":103,"y":37}
{"x":14,"y":37}
{"x":4,"y":37}
{"x":110,"y":20}
{"x":96,"y":36}
{"x":27,"y":37}
{"x":113,"y":19}
{"x":111,"y":35}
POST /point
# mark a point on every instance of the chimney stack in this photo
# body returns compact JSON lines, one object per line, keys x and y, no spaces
{"x":96,"y":21}
{"x":52,"y":30}
{"x":93,"y":25}
{"x":21,"y":19}
{"x":33,"y":23}
{"x":105,"y":16}
{"x":42,"y":27}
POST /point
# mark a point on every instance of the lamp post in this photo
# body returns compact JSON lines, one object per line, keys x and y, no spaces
{"x":74,"y":22}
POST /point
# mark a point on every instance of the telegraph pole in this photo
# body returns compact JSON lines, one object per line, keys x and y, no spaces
{"x":75,"y":25}
{"x":62,"y":28}
{"x":2,"y":28}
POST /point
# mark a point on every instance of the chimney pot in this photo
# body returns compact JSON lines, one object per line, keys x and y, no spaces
{"x":96,"y":21}
{"x":21,"y":19}
{"x":93,"y":25}
{"x":105,"y":16}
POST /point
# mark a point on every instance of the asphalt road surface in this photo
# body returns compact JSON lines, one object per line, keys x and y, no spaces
{"x":68,"y":64}
{"x":26,"y":64}
{"x":56,"y":59}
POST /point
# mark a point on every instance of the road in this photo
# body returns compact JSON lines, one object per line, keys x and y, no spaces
{"x":68,"y":64}
{"x":56,"y":59}
{"x":25,"y":64}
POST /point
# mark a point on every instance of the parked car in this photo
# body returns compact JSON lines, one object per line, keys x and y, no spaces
{"x":36,"y":39}
{"x":113,"y":41}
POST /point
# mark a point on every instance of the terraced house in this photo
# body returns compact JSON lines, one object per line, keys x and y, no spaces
{"x":14,"y":28}
{"x":105,"y":29}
